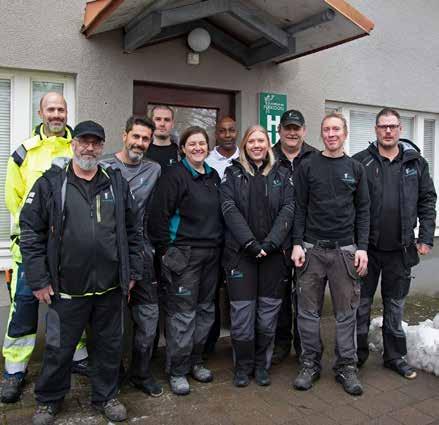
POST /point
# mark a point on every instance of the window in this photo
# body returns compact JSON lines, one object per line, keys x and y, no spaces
{"x":39,"y":89}
{"x":5,"y":131}
{"x":20,"y":93}
{"x":422,"y":128}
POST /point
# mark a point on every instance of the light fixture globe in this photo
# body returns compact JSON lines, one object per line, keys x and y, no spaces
{"x":199,"y":40}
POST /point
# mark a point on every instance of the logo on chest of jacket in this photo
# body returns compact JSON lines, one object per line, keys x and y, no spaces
{"x":277,"y":183}
{"x":107,"y":196}
{"x":411,"y":172}
{"x":183,"y":292}
{"x":347,"y":178}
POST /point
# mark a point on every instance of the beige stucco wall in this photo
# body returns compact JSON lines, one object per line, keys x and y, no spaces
{"x":397,"y":65}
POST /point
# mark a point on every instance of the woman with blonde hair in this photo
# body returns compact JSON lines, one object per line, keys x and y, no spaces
{"x":257,"y":201}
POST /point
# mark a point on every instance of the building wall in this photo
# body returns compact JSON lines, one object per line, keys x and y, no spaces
{"x":363,"y":71}
{"x":395,"y":66}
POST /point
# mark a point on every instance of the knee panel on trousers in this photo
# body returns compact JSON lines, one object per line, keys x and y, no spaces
{"x":242,"y":315}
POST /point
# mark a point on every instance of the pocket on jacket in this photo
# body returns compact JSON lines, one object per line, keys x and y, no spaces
{"x":176,"y":258}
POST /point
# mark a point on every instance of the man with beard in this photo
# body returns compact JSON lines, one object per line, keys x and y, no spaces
{"x":50,"y":140}
{"x":163,"y":149}
{"x":82,"y":249}
{"x":291,"y":149}
{"x":142,"y":175}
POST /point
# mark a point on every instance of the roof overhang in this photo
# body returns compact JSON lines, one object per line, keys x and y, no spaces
{"x":251,"y":32}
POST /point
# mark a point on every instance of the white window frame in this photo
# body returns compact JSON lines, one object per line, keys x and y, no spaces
{"x":21,"y":116}
{"x":418,"y":132}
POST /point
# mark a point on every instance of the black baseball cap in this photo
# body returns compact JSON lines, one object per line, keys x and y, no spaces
{"x":292,"y":117}
{"x":89,"y":128}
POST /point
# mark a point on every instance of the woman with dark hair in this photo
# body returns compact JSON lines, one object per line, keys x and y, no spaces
{"x":257,"y":201}
{"x":186,"y":228}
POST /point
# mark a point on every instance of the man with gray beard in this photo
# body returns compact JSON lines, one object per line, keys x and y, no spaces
{"x":82,"y":249}
{"x":142,"y":175}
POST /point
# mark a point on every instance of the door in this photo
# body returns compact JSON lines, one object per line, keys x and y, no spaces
{"x":192,"y":106}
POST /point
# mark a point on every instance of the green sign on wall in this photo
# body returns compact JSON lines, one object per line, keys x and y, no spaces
{"x":271,"y":108}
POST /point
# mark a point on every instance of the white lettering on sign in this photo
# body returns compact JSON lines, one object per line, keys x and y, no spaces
{"x":272,"y":122}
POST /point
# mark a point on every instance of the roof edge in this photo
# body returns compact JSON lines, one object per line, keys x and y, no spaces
{"x":349,"y":12}
{"x":96,"y":12}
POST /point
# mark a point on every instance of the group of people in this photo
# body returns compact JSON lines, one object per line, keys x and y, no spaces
{"x":158,"y":226}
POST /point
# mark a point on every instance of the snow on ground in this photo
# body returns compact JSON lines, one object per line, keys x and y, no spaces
{"x":422,"y":343}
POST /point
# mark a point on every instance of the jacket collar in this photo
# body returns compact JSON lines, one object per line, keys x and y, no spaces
{"x":409,"y":150}
{"x":195,"y":174}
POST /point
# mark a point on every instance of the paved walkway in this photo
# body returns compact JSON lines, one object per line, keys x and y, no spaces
{"x":388,"y":399}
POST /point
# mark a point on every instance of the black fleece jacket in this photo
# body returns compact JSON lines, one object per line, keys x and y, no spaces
{"x":417,"y":193}
{"x":185,"y":209}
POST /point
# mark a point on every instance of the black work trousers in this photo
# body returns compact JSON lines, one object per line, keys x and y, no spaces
{"x":189,"y":281}
{"x":65,"y":322}
{"x":287,"y":318}
{"x":144,"y":308}
{"x":335,"y":266}
{"x":395,"y":285}
{"x":256,"y":288}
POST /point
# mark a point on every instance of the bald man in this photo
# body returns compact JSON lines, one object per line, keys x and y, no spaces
{"x":225,"y":150}
{"x":49,"y":140}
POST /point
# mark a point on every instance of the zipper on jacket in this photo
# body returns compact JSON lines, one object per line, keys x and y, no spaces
{"x":98,"y":208}
{"x":93,"y":235}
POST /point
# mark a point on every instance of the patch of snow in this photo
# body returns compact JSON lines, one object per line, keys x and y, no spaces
{"x":422,"y":343}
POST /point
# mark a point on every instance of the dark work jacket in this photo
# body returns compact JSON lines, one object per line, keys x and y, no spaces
{"x":417,"y":194}
{"x":185,"y":209}
{"x":235,"y":197}
{"x":305,"y":151}
{"x":44,"y":230}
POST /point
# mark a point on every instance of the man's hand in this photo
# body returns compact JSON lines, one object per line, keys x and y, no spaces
{"x":298,"y":256}
{"x":44,"y":294}
{"x":131,"y":285}
{"x":423,"y":249}
{"x":262,"y":254}
{"x":360,"y":262}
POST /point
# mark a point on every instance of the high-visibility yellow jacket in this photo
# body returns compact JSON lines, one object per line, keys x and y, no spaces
{"x":26,"y":165}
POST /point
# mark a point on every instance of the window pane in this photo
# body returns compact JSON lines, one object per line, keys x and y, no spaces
{"x":39,"y":89}
{"x":429,"y":137}
{"x":407,"y":128}
{"x":187,"y":116}
{"x":362,"y":131}
{"x":5,"y":134}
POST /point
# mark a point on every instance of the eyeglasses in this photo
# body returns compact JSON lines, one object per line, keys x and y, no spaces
{"x":391,"y":127}
{"x":94,"y":143}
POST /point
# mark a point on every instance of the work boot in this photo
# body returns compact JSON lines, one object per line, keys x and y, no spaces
{"x":45,"y":413}
{"x":201,"y":373}
{"x":280,"y":353}
{"x":113,"y":410}
{"x":179,"y":385}
{"x":81,"y":367}
{"x":401,"y":367}
{"x":308,"y":374}
{"x":149,"y":386}
{"x":262,"y":377}
{"x":12,"y":387}
{"x":241,"y":379}
{"x":348,"y":377}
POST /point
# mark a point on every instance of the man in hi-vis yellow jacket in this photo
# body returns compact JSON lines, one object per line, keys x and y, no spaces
{"x":49,"y":140}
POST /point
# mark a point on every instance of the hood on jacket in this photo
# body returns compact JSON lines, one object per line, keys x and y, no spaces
{"x":409,"y":149}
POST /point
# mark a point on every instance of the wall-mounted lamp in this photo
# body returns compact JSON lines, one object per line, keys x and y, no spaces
{"x":199,"y":41}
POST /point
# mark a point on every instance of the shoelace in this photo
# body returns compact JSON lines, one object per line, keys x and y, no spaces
{"x":111,"y":403}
